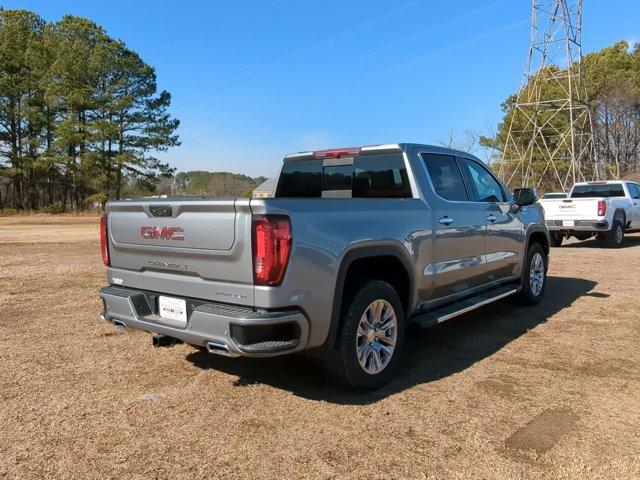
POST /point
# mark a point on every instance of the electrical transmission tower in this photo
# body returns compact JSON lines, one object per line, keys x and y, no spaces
{"x":550,"y":136}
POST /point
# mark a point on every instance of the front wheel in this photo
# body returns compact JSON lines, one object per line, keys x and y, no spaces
{"x":369,"y":337}
{"x":534,"y":277}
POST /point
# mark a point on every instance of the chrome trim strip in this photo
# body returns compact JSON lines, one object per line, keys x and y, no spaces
{"x":460,"y":263}
{"x":366,"y":148}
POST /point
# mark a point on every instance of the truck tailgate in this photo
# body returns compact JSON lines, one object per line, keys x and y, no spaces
{"x":190,"y":247}
{"x":571,"y":209}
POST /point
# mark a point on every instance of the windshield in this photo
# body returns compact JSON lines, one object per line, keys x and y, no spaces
{"x":598,"y":190}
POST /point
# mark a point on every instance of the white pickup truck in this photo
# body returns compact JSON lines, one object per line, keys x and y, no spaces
{"x":606,"y":210}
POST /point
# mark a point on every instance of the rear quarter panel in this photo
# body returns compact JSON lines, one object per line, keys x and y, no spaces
{"x":324,"y":231}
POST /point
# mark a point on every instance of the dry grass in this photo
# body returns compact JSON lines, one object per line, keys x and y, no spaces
{"x":507,"y":392}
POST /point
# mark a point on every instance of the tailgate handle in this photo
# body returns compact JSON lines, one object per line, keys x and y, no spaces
{"x":161,"y":210}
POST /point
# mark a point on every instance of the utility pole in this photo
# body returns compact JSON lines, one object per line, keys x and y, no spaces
{"x":550,"y":136}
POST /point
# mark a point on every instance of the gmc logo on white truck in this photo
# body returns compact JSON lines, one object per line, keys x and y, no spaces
{"x":164,"y":233}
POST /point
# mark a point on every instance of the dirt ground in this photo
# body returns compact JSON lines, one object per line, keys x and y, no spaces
{"x":506,"y":392}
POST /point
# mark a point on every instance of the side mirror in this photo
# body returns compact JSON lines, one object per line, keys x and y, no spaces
{"x":524,"y":196}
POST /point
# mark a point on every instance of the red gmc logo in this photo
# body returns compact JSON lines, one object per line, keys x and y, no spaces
{"x":164,"y":233}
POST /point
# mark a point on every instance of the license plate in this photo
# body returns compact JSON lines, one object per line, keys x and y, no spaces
{"x":568,"y":223}
{"x":173,"y":309}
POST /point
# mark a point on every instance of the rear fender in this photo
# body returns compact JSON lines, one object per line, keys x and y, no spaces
{"x":359,"y":252}
{"x":622,"y":215}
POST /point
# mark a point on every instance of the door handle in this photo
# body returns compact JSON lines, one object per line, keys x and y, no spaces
{"x":491,"y":217}
{"x":446,"y":220}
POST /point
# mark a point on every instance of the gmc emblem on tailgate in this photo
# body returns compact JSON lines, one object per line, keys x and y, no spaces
{"x":164,"y":233}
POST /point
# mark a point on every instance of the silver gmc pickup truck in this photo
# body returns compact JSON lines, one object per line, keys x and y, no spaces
{"x":356,"y":244}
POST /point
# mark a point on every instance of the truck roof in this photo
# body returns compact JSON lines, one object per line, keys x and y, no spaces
{"x":599,"y":182}
{"x":382,"y":146}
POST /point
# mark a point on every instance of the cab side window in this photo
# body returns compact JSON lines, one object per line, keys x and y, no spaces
{"x":380,"y":176}
{"x":634,"y":190}
{"x":486,"y":187}
{"x":446,"y":176}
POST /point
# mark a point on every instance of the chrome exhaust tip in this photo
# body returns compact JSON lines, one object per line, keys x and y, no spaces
{"x":119,"y":324}
{"x":218,"y":348}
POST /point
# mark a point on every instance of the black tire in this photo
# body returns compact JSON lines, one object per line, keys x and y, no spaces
{"x":343,"y":361}
{"x":556,"y":239}
{"x":528,"y":294}
{"x":615,"y":236}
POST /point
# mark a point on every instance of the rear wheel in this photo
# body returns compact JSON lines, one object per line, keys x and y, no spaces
{"x":615,"y":236}
{"x":556,"y":238}
{"x":369,"y":337}
{"x":534,"y":277}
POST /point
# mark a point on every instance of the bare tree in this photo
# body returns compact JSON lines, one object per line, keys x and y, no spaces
{"x":618,"y":127}
{"x":466,"y":143}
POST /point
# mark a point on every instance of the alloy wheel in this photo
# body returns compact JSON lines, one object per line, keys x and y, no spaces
{"x":376,"y":337}
{"x":536,"y":274}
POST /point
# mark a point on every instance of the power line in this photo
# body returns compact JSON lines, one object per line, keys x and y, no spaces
{"x":408,"y":64}
{"x":361,"y":23}
{"x":431,"y":30}
{"x":192,"y":139}
{"x":233,"y":108}
{"x":460,"y":45}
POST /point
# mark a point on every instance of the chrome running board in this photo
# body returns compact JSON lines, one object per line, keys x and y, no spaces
{"x":450,"y":311}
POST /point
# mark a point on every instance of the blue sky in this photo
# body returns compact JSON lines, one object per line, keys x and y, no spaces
{"x":252,"y":81}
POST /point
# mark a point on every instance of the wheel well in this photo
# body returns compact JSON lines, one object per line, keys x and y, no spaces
{"x":387,"y":268}
{"x":541,"y":238}
{"x":622,"y":214}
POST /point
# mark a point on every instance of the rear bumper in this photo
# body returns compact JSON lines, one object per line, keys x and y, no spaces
{"x":579,"y":226}
{"x":225,"y":329}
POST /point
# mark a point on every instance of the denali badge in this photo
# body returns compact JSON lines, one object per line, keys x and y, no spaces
{"x":230,"y":294}
{"x":175,"y":266}
{"x":164,"y":233}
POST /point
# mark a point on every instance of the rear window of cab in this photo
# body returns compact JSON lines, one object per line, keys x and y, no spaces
{"x":362,"y":176}
{"x":605,"y":190}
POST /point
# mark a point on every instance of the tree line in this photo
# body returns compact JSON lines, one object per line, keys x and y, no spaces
{"x":612,"y":82}
{"x":81,"y":116}
{"x":198,"y":183}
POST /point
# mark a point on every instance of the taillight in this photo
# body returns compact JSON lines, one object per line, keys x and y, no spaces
{"x":271,"y":248}
{"x":602,"y":208}
{"x":104,"y":241}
